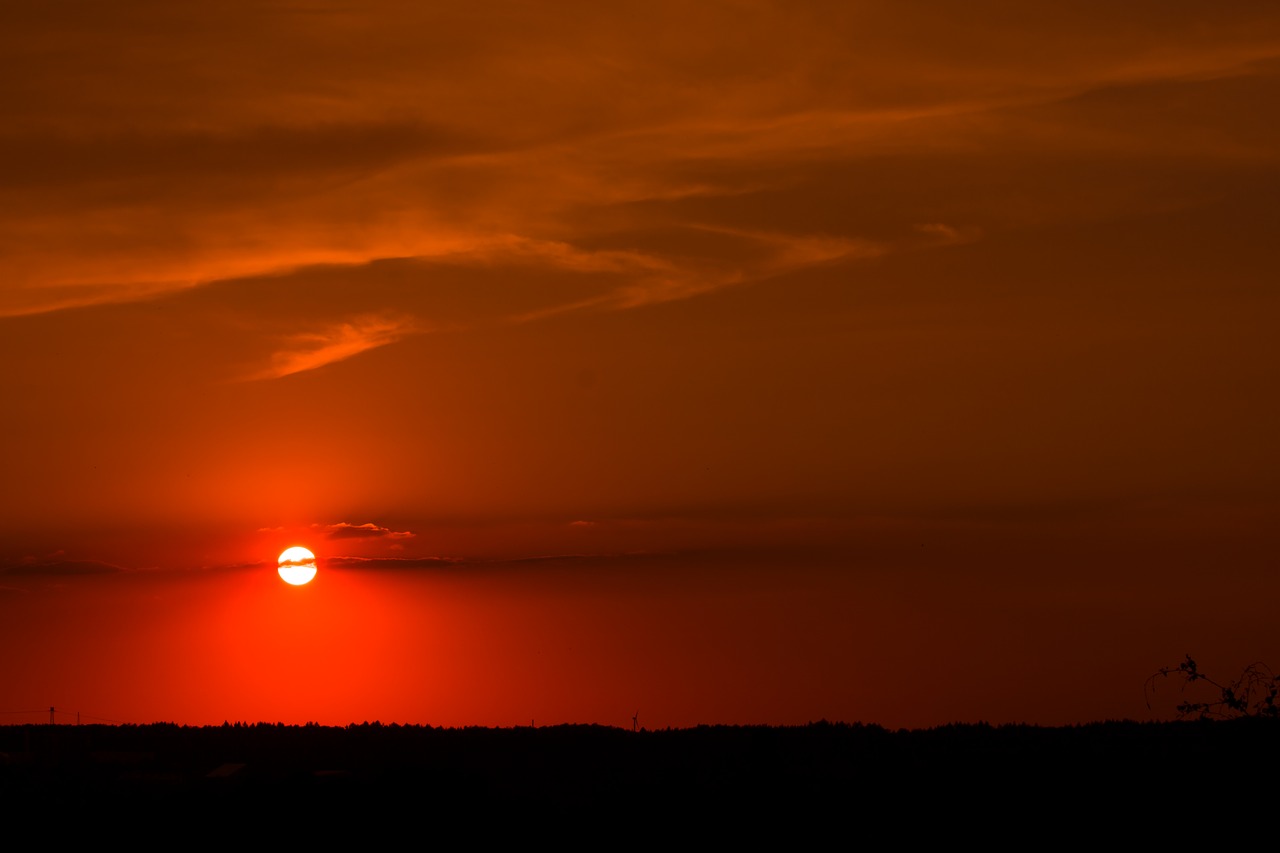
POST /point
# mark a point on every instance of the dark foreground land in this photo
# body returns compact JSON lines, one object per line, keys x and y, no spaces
{"x":605,"y":784}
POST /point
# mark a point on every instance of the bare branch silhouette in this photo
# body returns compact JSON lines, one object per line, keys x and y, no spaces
{"x":1251,"y":694}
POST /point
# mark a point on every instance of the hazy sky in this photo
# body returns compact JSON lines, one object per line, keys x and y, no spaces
{"x":859,"y":360}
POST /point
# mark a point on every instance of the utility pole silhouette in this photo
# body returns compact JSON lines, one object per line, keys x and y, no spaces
{"x":635,"y":721}
{"x":51,"y":715}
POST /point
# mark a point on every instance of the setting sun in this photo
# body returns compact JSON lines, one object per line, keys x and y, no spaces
{"x":297,"y":565}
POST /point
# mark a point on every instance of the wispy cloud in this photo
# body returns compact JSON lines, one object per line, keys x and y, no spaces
{"x":494,"y":130}
{"x":310,"y":350}
{"x":479,"y":564}
{"x":392,"y":562}
{"x":343,"y":530}
{"x":649,"y":279}
{"x":948,"y":235}
{"x":58,"y":568}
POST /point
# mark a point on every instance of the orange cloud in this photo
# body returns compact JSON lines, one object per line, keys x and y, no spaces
{"x":58,"y":568}
{"x":343,"y":530}
{"x":443,"y":133}
{"x":310,"y":350}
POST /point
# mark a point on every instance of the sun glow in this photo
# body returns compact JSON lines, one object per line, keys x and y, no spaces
{"x":297,"y":565}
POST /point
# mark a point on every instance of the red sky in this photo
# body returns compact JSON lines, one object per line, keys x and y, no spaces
{"x":742,"y":362}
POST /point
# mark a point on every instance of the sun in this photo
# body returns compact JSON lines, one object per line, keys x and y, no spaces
{"x":297,"y":565}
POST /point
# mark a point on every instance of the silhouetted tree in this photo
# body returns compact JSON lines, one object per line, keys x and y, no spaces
{"x":1252,"y":694}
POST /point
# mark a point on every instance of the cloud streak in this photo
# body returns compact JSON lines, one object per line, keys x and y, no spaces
{"x":393,"y":562}
{"x":130,"y":186}
{"x":59,"y":568}
{"x":343,"y":530}
{"x":311,"y":350}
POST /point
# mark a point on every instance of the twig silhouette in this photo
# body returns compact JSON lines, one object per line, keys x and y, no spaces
{"x":1252,"y":694}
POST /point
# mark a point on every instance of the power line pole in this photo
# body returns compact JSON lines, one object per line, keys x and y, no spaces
{"x":51,"y":715}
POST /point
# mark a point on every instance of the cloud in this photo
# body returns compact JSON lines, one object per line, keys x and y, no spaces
{"x":438,"y":128}
{"x":543,"y":559}
{"x":310,"y":350}
{"x":59,"y":568}
{"x":493,"y":142}
{"x":649,"y":279}
{"x":392,"y":562}
{"x":343,"y":530}
{"x":450,"y":562}
{"x":948,"y":235}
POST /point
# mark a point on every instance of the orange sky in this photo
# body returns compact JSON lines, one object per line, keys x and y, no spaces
{"x":898,"y":362}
